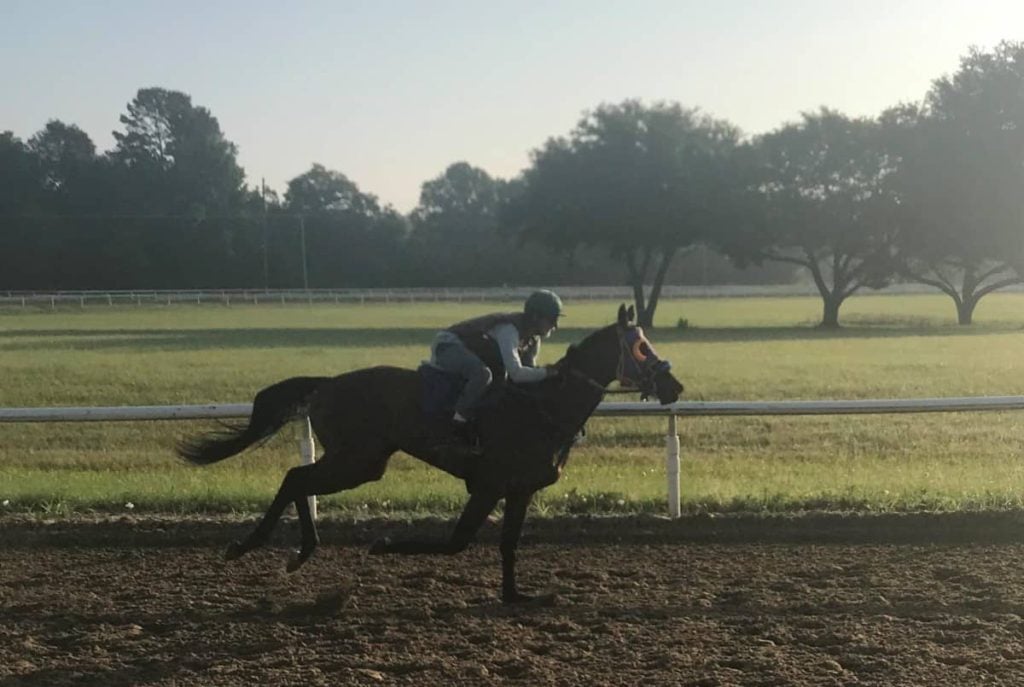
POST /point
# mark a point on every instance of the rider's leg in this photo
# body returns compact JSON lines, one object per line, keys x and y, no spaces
{"x":457,"y":358}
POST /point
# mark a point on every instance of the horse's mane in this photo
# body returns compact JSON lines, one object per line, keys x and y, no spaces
{"x":584,"y":345}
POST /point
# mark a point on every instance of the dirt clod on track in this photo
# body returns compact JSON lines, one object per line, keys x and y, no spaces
{"x":814,"y":600}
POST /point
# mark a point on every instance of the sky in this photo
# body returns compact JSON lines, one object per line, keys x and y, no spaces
{"x":392,"y":92}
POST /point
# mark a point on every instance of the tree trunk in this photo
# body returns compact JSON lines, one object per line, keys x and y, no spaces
{"x":644,"y":316}
{"x":965,"y":311}
{"x":636,"y":279}
{"x":659,"y":281}
{"x":830,"y":313}
{"x":639,"y":302}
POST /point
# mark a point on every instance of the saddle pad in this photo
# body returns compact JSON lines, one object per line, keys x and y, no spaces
{"x":438,"y":390}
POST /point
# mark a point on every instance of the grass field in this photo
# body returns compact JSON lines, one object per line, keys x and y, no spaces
{"x":733,"y":349}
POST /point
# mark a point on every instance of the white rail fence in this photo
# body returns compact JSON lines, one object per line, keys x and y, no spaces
{"x":307,"y":448}
{"x":230,"y":297}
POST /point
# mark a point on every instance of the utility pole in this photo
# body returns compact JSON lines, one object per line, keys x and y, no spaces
{"x":266,"y":237}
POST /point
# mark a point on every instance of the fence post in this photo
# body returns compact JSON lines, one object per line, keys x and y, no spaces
{"x":672,"y":467}
{"x":307,"y":451}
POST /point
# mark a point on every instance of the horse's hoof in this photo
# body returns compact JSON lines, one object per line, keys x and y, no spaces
{"x":234,"y":551}
{"x":517,"y":599}
{"x":381,"y":546}
{"x":297,"y":559}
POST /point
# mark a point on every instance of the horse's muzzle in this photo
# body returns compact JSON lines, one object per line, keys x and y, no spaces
{"x":667,"y":388}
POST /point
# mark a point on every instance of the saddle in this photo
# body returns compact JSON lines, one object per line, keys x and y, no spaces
{"x":439,"y":389}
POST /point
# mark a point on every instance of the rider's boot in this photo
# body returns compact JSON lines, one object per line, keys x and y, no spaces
{"x":456,"y":445}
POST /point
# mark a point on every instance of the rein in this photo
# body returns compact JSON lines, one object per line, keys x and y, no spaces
{"x":588,"y":379}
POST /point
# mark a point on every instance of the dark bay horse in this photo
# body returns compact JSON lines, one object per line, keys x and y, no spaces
{"x":362,"y":417}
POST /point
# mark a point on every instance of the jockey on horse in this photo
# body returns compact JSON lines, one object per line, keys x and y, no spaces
{"x":493,"y":346}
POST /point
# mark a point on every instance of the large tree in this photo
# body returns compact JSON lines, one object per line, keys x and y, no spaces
{"x":960,"y":179}
{"x":178,"y":150}
{"x":75,"y":186}
{"x":178,"y":187}
{"x":646,"y":182}
{"x":816,"y":198}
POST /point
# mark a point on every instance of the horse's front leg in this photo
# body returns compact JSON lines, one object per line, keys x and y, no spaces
{"x":516,"y":504}
{"x":477,"y":509}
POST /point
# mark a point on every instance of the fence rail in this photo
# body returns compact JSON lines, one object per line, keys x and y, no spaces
{"x":228,"y":297}
{"x":674,"y":411}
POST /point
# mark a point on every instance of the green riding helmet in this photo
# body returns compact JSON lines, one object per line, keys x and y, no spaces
{"x":543,"y":304}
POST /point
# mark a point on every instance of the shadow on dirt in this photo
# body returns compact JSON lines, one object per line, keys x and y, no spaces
{"x":822,"y":528}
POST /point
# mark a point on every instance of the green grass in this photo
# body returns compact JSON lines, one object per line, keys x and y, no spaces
{"x":734,"y":349}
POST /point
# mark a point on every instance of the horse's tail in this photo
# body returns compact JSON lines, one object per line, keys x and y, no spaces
{"x":272,"y":408}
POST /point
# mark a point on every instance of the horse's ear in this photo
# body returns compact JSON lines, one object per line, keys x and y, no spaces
{"x":623,"y":315}
{"x":630,"y":313}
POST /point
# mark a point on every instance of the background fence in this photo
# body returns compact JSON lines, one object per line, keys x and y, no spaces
{"x":307,"y":449}
{"x":227,"y":297}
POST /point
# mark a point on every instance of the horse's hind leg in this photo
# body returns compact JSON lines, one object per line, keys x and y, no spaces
{"x":332,"y":473}
{"x":285,"y":495}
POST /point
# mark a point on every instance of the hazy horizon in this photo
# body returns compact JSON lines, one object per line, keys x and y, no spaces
{"x":391,"y":95}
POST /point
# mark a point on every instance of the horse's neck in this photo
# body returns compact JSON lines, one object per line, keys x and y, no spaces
{"x":574,"y":402}
{"x":598,"y":365}
{"x":579,"y":395}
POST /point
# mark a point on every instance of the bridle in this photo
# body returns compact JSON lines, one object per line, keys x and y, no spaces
{"x":639,"y":365}
{"x":637,"y":368}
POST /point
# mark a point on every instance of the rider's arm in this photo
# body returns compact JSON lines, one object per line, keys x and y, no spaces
{"x":507,"y":337}
{"x":529,"y":355}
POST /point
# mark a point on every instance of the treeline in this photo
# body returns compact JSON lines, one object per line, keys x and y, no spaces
{"x":168,"y":207}
{"x":931,"y":191}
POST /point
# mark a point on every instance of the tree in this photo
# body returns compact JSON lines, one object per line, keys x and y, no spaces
{"x":349,"y":238}
{"x":19,"y":176}
{"x":322,"y":190}
{"x":20,"y":195}
{"x":816,"y":193}
{"x":960,"y":179}
{"x":74,"y":190}
{"x":177,"y":174}
{"x":455,"y":230}
{"x":179,"y":150}
{"x":644,"y":182}
{"x":66,"y":157}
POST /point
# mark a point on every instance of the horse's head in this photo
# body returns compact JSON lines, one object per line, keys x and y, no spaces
{"x":639,"y":364}
{"x":622,"y":351}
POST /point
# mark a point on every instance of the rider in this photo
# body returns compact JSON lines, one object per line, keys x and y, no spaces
{"x":462,"y":348}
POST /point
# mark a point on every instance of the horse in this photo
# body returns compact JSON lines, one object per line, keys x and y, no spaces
{"x":362,"y":417}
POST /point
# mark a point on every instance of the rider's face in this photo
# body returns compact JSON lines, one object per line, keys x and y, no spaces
{"x":546,"y":326}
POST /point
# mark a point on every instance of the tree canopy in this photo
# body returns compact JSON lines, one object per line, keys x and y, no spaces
{"x":960,"y":177}
{"x":645,"y":182}
{"x":816,"y":198}
{"x":928,"y":191}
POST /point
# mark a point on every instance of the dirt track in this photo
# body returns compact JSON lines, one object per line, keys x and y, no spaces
{"x":922,"y":600}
